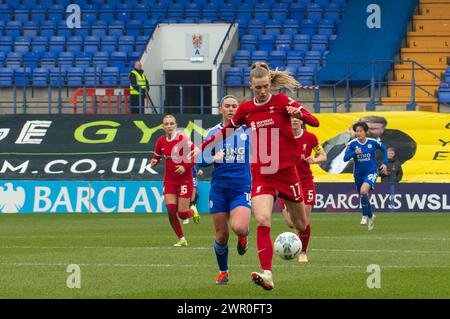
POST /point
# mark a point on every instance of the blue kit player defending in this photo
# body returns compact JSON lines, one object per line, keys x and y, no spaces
{"x":363,"y":151}
{"x":229,"y":198}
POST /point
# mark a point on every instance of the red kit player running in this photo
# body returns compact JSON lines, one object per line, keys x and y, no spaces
{"x":306,"y":143}
{"x":274,"y":156}
{"x":178,"y":179}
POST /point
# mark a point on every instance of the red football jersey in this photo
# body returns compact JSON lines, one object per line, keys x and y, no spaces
{"x":175,"y":152}
{"x":306,"y":143}
{"x":271,"y":130}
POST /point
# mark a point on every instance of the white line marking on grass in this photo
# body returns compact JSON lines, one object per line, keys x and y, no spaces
{"x":210,"y":248}
{"x":293,"y":265}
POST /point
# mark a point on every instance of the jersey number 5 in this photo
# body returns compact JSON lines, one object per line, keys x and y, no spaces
{"x":183,"y":189}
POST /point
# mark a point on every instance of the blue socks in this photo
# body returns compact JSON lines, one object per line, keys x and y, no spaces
{"x":366,"y":207}
{"x":221,"y":255}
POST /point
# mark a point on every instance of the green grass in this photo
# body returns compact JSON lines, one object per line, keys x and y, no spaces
{"x":131,"y":256}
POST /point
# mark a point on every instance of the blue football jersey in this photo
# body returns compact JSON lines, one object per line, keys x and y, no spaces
{"x":366,"y":162}
{"x":234,"y":169}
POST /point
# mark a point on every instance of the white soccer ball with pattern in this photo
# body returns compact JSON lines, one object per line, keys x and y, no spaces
{"x":287,"y":246}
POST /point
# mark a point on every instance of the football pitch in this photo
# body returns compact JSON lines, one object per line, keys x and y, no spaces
{"x":131,"y":256}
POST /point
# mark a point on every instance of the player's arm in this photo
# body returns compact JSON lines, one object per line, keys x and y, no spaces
{"x":206,"y":158}
{"x":320,"y":155}
{"x":297,"y":110}
{"x":156,"y":154}
{"x":349,"y":153}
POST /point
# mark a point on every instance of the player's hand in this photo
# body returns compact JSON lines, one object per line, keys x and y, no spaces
{"x":179,"y":169}
{"x":310,"y":160}
{"x":199,"y":172}
{"x":219,"y":156}
{"x":153,"y":163}
{"x":383,"y":169}
{"x":294,"y":110}
{"x":358,"y":150}
{"x":194,"y":153}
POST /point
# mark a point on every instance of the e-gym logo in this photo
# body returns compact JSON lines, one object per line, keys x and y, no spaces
{"x":374,"y":19}
{"x":11,"y":200}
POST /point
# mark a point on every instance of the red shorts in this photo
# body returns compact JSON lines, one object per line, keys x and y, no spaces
{"x":181,"y":189}
{"x":308,"y":192}
{"x":285,"y":183}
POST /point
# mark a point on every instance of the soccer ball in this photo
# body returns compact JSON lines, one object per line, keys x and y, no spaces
{"x":287,"y":245}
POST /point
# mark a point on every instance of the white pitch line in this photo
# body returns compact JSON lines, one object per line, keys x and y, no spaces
{"x":210,"y":248}
{"x":293,"y":265}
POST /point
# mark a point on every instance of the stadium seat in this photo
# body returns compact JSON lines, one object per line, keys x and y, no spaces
{"x":38,"y":14}
{"x":116,"y":28}
{"x":242,"y":58}
{"x":66,"y":60}
{"x":99,"y":28}
{"x":292,"y":70}
{"x":30,"y":29}
{"x":444,"y":93}
{"x":332,"y":39}
{"x":83,"y":30}
{"x":74,"y":44}
{"x":273,"y":27}
{"x":83,"y":59}
{"x":302,"y":42}
{"x":31,"y":59}
{"x":109,"y":43}
{"x":57,"y":44}
{"x":141,"y":12}
{"x":259,"y":56}
{"x":158,"y":10}
{"x":266,"y":42}
{"x":305,"y":75}
{"x":133,"y":57}
{"x":297,"y":11}
{"x":6,"y":44}
{"x":118,"y":59}
{"x":100,"y":59}
{"x":124,"y":76}
{"x":227,"y":12}
{"x":313,"y":58}
{"x":314,"y":12}
{"x":134,"y":28}
{"x":246,"y":70}
{"x":2,"y":59}
{"x":48,"y":28}
{"x":245,"y":12}
{"x":332,"y":12}
{"x":277,"y":59}
{"x":92,"y":76}
{"x":40,"y":77}
{"x":75,"y":77}
{"x":280,"y":11}
{"x":233,"y":76}
{"x":21,"y":13}
{"x":22,"y":77}
{"x":325,"y":27}
{"x":295,"y":58}
{"x":56,"y":12}
{"x":319,"y":42}
{"x":149,"y":26}
{"x":248,"y":42}
{"x":14,"y":59}
{"x":124,"y":11}
{"x":175,"y":11}
{"x":48,"y":60}
{"x":283,"y":39}
{"x":308,"y":27}
{"x":141,"y":43}
{"x":6,"y":77}
{"x":91,"y":44}
{"x":89,"y":13}
{"x":64,"y":31}
{"x":110,"y":76}
{"x":106,"y":12}
{"x":255,"y":27}
{"x":13,"y":29}
{"x":6,"y":12}
{"x":126,"y":43}
{"x":192,"y":10}
{"x":210,"y":11}
{"x":262,"y":11}
{"x":22,"y":44}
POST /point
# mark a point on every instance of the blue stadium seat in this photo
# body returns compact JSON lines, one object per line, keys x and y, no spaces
{"x":99,"y":28}
{"x":242,"y":57}
{"x":175,"y":11}
{"x":319,"y":42}
{"x":292,"y":70}
{"x":234,"y":76}
{"x":210,"y":11}
{"x":273,"y":26}
{"x":83,"y":59}
{"x":22,"y":44}
{"x":83,"y":30}
{"x":158,"y":10}
{"x":248,"y":42}
{"x":48,"y":28}
{"x":106,"y":12}
{"x":110,"y":76}
{"x":141,"y":12}
{"x":100,"y":59}
{"x":444,"y":93}
{"x":66,"y":60}
{"x":255,"y":27}
{"x":22,"y":77}
{"x":302,"y":42}
{"x":149,"y":26}
{"x":244,"y":12}
{"x":246,"y":70}
{"x":126,"y":43}
{"x":30,"y":29}
{"x":14,"y":59}
{"x":75,"y":77}
{"x":6,"y":44}
{"x":305,"y":75}
{"x":134,"y":28}
{"x":280,"y":11}
{"x":6,"y":77}
{"x":40,"y":77}
{"x":13,"y":29}
{"x":118,"y":59}
{"x":447,"y":75}
{"x":295,"y":58}
{"x":124,"y":80}
{"x":277,"y":59}
{"x":116,"y":28}
{"x":89,"y":13}
{"x":332,"y":12}
{"x":57,"y":44}
{"x":2,"y":59}
{"x":63,"y":31}
{"x":297,"y":11}
{"x":133,"y":57}
{"x":109,"y":43}
{"x":31,"y":59}
{"x":141,"y":43}
{"x":92,"y":76}
{"x":192,"y":10}
{"x":5,"y":12}
{"x":332,"y":39}
{"x":285,"y":39}
{"x":227,"y":12}
{"x":283,"y":47}
{"x":124,"y":11}
{"x":74,"y":44}
{"x":48,"y":60}
{"x":308,"y":26}
{"x":38,"y":14}
{"x":91,"y":44}
{"x":314,"y":12}
{"x":46,"y":3}
{"x":325,"y":27}
{"x":313,"y":58}
{"x":21,"y":13}
{"x":266,"y":42}
{"x":259,"y":56}
{"x":56,"y":12}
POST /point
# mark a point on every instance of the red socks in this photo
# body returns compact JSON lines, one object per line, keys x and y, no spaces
{"x":304,"y":237}
{"x":187,"y":214}
{"x":174,"y":222}
{"x":265,"y":248}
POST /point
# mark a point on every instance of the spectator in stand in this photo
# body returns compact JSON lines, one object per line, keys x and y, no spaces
{"x":394,"y":171}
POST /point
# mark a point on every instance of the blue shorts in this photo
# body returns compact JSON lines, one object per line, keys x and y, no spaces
{"x":370,"y":179}
{"x":223,"y":200}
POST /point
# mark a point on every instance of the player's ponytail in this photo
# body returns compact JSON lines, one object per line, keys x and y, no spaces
{"x":278,"y":79}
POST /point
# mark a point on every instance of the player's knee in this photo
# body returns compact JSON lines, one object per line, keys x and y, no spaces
{"x":171,"y":208}
{"x":263,"y":221}
{"x":222,"y":237}
{"x":240,"y":230}
{"x":185,"y":214}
